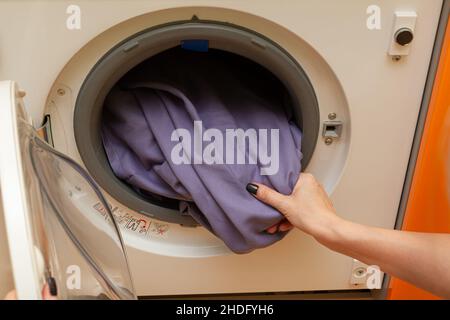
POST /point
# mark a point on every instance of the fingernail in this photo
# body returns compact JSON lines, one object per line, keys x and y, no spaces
{"x":52,"y":286}
{"x":252,"y":188}
{"x":272,"y":229}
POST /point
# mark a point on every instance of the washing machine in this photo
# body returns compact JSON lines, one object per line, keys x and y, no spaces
{"x":355,"y":71}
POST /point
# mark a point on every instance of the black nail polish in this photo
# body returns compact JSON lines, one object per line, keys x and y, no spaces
{"x":252,"y":188}
{"x":52,"y":286}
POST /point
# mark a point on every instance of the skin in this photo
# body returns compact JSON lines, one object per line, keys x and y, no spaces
{"x":46,"y":295}
{"x":419,"y":258}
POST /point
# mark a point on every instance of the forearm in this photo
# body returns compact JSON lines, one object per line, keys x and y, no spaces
{"x":421,"y":259}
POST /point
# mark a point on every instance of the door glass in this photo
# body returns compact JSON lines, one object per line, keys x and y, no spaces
{"x":74,"y":227}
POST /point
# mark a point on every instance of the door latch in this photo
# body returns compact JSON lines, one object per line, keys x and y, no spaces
{"x":332,"y":130}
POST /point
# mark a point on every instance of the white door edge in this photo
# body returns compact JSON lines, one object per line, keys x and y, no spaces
{"x":27,"y":277}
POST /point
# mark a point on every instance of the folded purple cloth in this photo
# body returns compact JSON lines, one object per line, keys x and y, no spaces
{"x":225,"y":91}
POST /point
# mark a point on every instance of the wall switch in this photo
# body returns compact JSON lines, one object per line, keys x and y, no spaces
{"x":403,"y":33}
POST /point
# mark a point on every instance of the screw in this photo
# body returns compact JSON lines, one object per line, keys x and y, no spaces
{"x":332,"y":116}
{"x":396,"y":58}
{"x":360,"y":272}
{"x":61,"y":92}
{"x":328,"y":141}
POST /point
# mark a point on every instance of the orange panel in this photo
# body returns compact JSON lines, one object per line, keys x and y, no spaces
{"x":428,"y":208}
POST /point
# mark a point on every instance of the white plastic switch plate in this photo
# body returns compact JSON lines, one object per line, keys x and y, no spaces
{"x":365,"y":277}
{"x":359,"y":273}
{"x":403,"y":19}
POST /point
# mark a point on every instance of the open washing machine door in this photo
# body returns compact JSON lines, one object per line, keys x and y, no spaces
{"x":53,"y":237}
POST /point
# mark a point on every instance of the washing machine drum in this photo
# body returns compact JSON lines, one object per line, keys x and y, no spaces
{"x":175,"y":128}
{"x":199,"y":126}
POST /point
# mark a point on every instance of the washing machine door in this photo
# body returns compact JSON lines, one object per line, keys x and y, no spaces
{"x":55,"y":236}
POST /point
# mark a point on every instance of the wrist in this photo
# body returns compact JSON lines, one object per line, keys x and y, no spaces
{"x":331,"y":231}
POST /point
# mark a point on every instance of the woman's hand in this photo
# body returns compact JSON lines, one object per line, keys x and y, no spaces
{"x":308,"y":208}
{"x":419,"y":258}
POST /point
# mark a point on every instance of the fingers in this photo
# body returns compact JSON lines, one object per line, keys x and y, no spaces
{"x":285,"y":226}
{"x":272,"y":229}
{"x":268,"y":196}
{"x":274,"y":199}
{"x":282,"y":226}
{"x":12,"y":295}
{"x":46,"y":295}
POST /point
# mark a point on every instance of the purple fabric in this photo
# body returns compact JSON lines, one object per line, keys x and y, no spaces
{"x":224,"y":91}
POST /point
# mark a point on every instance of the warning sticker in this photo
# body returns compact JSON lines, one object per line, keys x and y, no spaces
{"x":137,"y":224}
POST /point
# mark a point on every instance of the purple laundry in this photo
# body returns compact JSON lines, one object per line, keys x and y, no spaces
{"x":176,"y":89}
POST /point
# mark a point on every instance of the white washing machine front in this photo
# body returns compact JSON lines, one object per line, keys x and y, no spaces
{"x":355,"y":81}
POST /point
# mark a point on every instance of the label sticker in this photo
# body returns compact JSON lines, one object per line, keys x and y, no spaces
{"x":129,"y":222}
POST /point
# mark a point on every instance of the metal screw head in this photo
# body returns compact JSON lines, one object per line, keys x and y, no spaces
{"x":328,"y":141}
{"x":396,"y":58}
{"x":61,"y":92}
{"x":332,"y":116}
{"x":360,"y":272}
